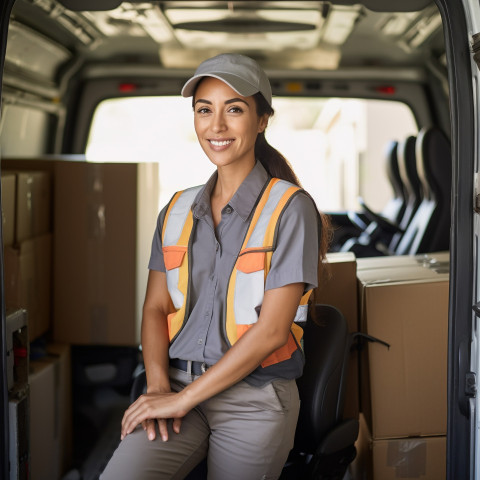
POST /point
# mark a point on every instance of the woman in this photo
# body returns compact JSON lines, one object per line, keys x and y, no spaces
{"x":233,"y":263}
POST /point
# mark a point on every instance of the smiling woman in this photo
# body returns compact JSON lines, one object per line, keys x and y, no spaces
{"x":232,"y":268}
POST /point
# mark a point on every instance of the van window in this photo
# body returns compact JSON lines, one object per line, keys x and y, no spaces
{"x":336,"y":146}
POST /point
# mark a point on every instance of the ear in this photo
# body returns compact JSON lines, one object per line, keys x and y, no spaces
{"x":262,"y":124}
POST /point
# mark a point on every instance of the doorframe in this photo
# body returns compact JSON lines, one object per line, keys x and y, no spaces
{"x":459,"y":458}
{"x":5,"y":11}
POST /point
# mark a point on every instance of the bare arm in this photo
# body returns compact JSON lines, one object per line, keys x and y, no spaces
{"x":269,"y":333}
{"x":155,"y":343}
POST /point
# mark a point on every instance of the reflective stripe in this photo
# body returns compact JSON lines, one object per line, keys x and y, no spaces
{"x":247,"y":282}
{"x":176,"y":232}
{"x":301,"y":315}
{"x":177,"y":215}
{"x":249,"y":290}
{"x":258,"y":234}
{"x":172,"y":284}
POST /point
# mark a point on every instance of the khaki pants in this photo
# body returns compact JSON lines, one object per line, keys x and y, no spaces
{"x":245,"y":432}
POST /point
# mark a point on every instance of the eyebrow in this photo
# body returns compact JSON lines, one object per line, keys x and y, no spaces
{"x":227,"y":102}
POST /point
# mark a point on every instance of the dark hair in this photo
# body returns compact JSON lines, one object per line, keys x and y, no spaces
{"x":278,"y":166}
{"x":272,"y":160}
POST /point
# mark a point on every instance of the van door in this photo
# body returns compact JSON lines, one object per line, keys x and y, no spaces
{"x":5,"y":9}
{"x":460,"y":25}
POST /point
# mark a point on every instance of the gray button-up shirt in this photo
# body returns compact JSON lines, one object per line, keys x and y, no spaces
{"x":214,"y":252}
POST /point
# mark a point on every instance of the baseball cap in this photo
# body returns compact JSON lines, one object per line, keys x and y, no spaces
{"x":240,"y":72}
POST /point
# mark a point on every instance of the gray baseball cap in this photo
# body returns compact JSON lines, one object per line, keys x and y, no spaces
{"x":241,"y":73}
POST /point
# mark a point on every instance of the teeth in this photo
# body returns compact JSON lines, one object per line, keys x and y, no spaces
{"x":220,"y":144}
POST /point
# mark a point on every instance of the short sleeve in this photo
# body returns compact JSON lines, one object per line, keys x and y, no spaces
{"x":156,"y":256}
{"x":295,"y":258}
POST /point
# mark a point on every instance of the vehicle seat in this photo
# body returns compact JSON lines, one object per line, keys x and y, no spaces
{"x":429,"y":229}
{"x":377,"y":235}
{"x":324,"y":441}
{"x":407,"y":164}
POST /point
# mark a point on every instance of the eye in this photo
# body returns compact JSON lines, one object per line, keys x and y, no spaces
{"x":235,"y":109}
{"x":203,"y":110}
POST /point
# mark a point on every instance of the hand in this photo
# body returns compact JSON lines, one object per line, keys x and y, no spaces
{"x":149,"y":427}
{"x":153,"y":406}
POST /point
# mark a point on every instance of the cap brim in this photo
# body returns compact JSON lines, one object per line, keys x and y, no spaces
{"x":238,"y":84}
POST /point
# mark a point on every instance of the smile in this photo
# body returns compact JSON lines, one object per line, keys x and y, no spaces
{"x":220,"y":143}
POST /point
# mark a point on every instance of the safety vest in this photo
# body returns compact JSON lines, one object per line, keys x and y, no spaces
{"x":246,"y":285}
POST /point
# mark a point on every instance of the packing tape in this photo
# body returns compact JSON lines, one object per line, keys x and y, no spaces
{"x":408,"y":457}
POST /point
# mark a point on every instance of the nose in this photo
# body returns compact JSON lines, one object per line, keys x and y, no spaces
{"x":218,"y":122}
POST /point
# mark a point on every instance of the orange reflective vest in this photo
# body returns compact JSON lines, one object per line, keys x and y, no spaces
{"x":246,"y":286}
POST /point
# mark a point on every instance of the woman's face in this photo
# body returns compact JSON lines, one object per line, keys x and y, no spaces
{"x":226,"y":124}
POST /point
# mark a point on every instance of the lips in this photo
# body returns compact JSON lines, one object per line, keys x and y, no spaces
{"x":220,"y":143}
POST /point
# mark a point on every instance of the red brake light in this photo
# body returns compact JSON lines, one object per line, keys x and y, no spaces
{"x":127,"y":87}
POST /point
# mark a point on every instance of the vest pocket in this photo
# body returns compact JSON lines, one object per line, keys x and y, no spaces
{"x":250,"y":261}
{"x":173,"y":256}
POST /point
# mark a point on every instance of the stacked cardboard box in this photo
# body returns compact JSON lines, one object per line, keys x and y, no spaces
{"x":104,"y":216}
{"x":337,"y":286}
{"x":404,"y":302}
{"x":26,"y":217}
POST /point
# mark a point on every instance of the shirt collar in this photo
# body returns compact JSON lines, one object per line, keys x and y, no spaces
{"x":243,"y":200}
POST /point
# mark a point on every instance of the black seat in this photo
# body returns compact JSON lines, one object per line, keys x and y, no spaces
{"x":376,"y":236}
{"x":429,"y":229}
{"x":324,"y":441}
{"x":407,"y":164}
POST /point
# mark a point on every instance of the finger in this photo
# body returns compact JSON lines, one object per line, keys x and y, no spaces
{"x":177,"y":422}
{"x":162,"y":427}
{"x":135,"y":415}
{"x":151,"y":434}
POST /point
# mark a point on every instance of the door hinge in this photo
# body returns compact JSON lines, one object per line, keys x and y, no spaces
{"x":476,"y":48}
{"x":470,"y":384}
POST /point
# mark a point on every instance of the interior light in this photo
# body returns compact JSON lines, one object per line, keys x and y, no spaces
{"x":294,"y":87}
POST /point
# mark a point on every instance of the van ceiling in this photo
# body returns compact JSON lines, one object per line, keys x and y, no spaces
{"x":280,"y":34}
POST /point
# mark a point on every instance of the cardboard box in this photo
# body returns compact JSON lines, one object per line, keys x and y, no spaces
{"x":338,"y":287}
{"x":105,"y":217}
{"x":417,"y":458}
{"x":404,"y":387}
{"x":50,"y":414}
{"x":33,"y":205}
{"x":436,"y":261}
{"x":28,"y":281}
{"x":8,"y":207}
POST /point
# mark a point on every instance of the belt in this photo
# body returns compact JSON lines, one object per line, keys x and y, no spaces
{"x":196,"y":368}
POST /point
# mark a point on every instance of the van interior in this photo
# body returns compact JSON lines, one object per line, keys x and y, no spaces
{"x":95,"y":139}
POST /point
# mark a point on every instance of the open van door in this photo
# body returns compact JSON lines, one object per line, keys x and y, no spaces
{"x":5,"y":9}
{"x":460,"y":27}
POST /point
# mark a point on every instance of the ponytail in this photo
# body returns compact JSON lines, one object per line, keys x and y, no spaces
{"x":277,"y":166}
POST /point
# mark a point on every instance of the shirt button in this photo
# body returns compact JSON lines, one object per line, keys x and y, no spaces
{"x":200,"y":341}
{"x":228,"y":210}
